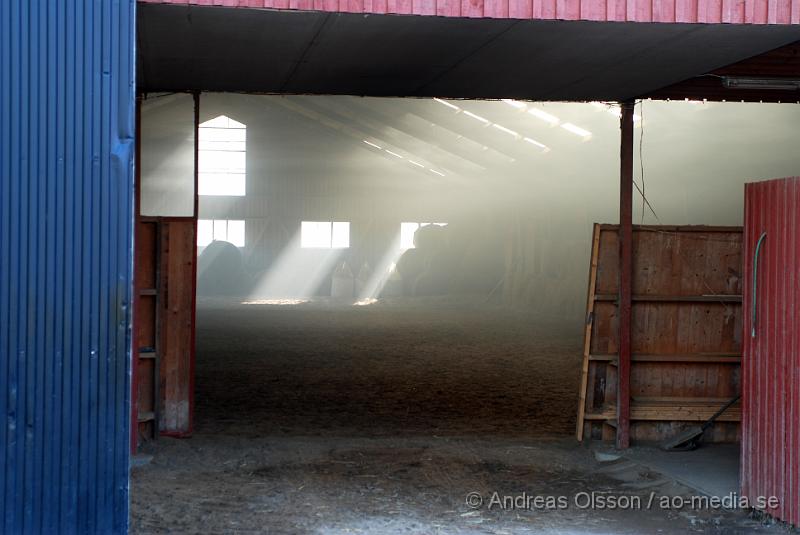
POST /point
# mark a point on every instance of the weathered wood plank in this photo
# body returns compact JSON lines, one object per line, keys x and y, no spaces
{"x":700,"y":358}
{"x":686,"y":328}
{"x":177,"y":294}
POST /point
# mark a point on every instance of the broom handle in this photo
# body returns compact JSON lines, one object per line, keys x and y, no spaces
{"x":717,"y":414}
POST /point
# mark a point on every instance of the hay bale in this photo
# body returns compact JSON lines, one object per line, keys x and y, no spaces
{"x":430,"y":238}
{"x":220,"y":271}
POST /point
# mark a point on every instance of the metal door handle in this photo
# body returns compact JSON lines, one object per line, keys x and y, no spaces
{"x":755,"y":285}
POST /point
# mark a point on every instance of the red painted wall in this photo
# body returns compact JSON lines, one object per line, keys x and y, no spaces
{"x":700,"y":11}
{"x":771,"y":356}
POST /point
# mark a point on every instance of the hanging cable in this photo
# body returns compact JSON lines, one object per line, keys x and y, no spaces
{"x":645,"y":201}
{"x":641,"y":159}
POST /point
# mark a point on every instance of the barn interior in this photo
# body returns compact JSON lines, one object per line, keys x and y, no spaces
{"x":382,"y":313}
{"x":391,"y":299}
{"x":400,"y":266}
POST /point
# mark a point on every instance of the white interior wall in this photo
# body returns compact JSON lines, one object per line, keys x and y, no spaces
{"x":307,"y":160}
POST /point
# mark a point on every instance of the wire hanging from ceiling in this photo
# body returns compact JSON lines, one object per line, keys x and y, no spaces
{"x":645,"y":201}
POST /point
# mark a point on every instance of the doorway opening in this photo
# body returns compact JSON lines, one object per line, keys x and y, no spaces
{"x":337,"y":358}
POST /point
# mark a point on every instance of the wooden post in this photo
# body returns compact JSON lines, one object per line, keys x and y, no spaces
{"x":196,"y":128}
{"x":625,"y":275}
{"x":193,"y":348}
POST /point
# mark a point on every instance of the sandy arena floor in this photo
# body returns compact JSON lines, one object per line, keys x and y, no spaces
{"x":331,"y":418}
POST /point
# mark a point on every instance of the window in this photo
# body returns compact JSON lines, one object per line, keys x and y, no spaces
{"x":221,"y":157}
{"x":325,"y":234}
{"x":407,"y":231}
{"x":209,"y":230}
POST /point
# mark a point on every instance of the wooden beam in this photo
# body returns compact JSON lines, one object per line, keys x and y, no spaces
{"x":655,"y":401}
{"x":708,"y":298}
{"x":672,"y":411}
{"x":677,"y":414}
{"x":699,"y":358}
{"x":625,"y":274}
{"x":725,"y":229}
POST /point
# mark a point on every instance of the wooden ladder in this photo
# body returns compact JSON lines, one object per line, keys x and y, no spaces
{"x":587,"y":333}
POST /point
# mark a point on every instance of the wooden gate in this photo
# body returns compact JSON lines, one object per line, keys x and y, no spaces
{"x":164,"y":327}
{"x":686,"y":332}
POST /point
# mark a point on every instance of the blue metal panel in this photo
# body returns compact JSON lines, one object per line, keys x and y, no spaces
{"x":66,"y":224}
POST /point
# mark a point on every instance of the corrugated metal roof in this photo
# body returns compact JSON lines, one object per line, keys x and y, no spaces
{"x":66,"y":131}
{"x":690,"y":11}
{"x":229,"y":49}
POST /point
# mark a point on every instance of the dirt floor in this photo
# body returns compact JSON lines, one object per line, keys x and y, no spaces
{"x":408,"y":416}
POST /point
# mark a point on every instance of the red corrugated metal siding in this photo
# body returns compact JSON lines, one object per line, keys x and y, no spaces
{"x":700,"y":11}
{"x":771,"y":359}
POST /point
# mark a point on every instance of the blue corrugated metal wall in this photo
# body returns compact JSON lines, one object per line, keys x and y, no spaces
{"x":66,"y":158}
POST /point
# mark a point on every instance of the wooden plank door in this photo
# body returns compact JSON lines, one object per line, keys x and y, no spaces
{"x":164,"y":325}
{"x":146,"y":333}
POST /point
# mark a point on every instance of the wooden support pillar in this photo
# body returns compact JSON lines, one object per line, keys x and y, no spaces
{"x":625,"y":275}
{"x":192,"y":366}
{"x":196,"y":101}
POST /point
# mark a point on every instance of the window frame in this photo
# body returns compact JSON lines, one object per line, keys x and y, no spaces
{"x":215,"y":179}
{"x":326,"y":239}
{"x":227,"y":232}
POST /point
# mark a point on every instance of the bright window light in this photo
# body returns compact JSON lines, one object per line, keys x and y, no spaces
{"x":535,"y":143}
{"x":477,"y":117}
{"x":552,"y":120}
{"x":315,"y":234}
{"x":577,"y":130}
{"x":340,"y":235}
{"x":515,"y":103}
{"x":325,"y":234}
{"x":506,"y":130}
{"x":451,"y":106}
{"x":407,"y":231}
{"x":222,"y":157}
{"x":230,"y":230}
